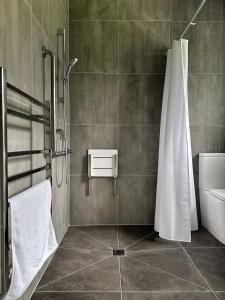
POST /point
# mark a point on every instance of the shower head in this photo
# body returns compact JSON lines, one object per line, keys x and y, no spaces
{"x":71,"y":64}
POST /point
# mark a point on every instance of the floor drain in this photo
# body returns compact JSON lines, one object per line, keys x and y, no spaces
{"x":118,"y":252}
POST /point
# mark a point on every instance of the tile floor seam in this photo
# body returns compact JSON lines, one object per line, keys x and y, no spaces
{"x":121,"y":291}
{"x":95,"y":240}
{"x":154,"y":249}
{"x":77,"y":271}
{"x":135,"y":291}
{"x":139,"y":240}
{"x":177,"y":277}
{"x":199,"y":272}
{"x":87,"y":250}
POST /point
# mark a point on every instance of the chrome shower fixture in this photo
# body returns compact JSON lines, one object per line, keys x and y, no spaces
{"x":71,"y":64}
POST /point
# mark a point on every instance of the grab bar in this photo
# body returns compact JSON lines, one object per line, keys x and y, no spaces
{"x":46,"y":52}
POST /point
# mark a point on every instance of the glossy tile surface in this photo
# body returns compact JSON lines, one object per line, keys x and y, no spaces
{"x":84,"y":267}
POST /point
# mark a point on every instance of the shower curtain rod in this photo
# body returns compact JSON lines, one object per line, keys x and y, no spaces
{"x":193,"y":19}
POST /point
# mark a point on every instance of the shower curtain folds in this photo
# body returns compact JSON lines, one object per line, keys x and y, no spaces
{"x":176,"y":214}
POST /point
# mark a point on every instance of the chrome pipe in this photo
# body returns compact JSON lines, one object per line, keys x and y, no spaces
{"x":191,"y":23}
{"x":46,"y":52}
{"x":5,"y":270}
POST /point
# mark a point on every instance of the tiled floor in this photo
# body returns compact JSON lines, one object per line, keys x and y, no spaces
{"x":84,"y":268}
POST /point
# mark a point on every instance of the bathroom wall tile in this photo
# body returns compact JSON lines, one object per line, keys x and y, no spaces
{"x":95,"y":44}
{"x":223,"y":45}
{"x":93,"y":98}
{"x":144,"y":10}
{"x":16,"y":43}
{"x":204,"y":98}
{"x":204,"y":139}
{"x":222,"y":139}
{"x":185,"y":9}
{"x":204,"y":45}
{"x":143,"y":46}
{"x":137,"y":206}
{"x":97,"y":208}
{"x":86,"y":137}
{"x":93,"y":10}
{"x":140,"y":99}
{"x":138,"y":149}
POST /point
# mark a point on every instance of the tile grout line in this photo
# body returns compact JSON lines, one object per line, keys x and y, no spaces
{"x":84,"y":250}
{"x":130,"y":291}
{"x":110,"y":248}
{"x":121,"y":291}
{"x":177,"y":277}
{"x":199,"y":271}
{"x":63,"y":277}
{"x":139,"y":240}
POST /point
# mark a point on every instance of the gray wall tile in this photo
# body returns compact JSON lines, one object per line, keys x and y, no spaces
{"x":140,"y":99}
{"x":143,"y":46}
{"x":93,"y":10}
{"x":87,"y":137}
{"x":93,"y":98}
{"x":95,"y":44}
{"x":204,"y":45}
{"x":136,"y":199}
{"x":138,"y":149}
{"x":144,"y":10}
{"x":97,"y":208}
{"x":185,"y":9}
{"x":204,"y":98}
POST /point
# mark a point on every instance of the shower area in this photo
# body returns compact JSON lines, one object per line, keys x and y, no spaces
{"x":100,"y":66}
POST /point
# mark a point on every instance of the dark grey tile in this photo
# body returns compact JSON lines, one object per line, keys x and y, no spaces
{"x":140,"y":99}
{"x":173,"y":261}
{"x":16,"y":43}
{"x":169,"y":296}
{"x":133,"y":233}
{"x":144,"y":10}
{"x":136,"y":199}
{"x":204,"y":46}
{"x":76,"y":296}
{"x":153,"y":242}
{"x":107,"y":235}
{"x":143,"y":46}
{"x":86,"y":137}
{"x":202,"y":238}
{"x":93,"y":10}
{"x":222,"y":139}
{"x":138,"y":149}
{"x":209,"y":261}
{"x":99,"y":207}
{"x":95,"y":44}
{"x":67,"y":261}
{"x":185,"y":9}
{"x":75,"y":239}
{"x":93,"y":99}
{"x":204,"y":139}
{"x":204,"y":98}
{"x":137,"y":276}
{"x":222,"y":104}
{"x":220,"y":296}
{"x":102,"y":276}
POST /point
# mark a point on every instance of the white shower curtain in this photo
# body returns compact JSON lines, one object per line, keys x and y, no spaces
{"x":176,"y":213}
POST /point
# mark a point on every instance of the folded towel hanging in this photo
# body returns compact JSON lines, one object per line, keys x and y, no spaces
{"x":33,"y":236}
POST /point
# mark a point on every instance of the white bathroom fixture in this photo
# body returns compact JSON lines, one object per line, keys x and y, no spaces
{"x":212,"y":193}
{"x":103,"y":163}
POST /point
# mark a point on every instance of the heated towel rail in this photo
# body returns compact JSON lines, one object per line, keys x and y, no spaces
{"x":4,"y":155}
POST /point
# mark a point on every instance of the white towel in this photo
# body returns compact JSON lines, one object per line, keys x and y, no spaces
{"x":33,"y":236}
